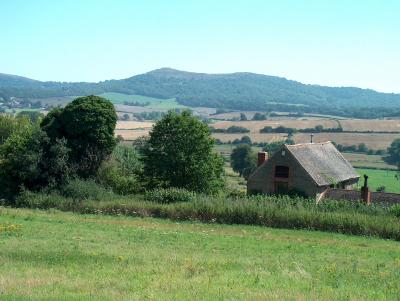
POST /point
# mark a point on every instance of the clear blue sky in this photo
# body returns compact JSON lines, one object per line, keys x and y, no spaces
{"x":327,"y":42}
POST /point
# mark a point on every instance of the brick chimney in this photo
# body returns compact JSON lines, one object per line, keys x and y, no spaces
{"x":262,"y":157}
{"x":365,"y":193}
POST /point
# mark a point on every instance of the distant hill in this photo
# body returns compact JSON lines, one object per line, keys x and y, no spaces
{"x":242,"y":91}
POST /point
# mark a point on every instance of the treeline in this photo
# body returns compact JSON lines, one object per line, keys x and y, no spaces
{"x":73,"y":151}
{"x":360,"y":148}
{"x":234,"y":129}
{"x":136,"y":103}
{"x":287,"y":130}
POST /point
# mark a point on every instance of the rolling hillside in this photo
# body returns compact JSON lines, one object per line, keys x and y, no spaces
{"x":242,"y":91}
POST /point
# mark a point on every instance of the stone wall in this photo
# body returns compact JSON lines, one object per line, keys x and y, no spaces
{"x":382,"y":198}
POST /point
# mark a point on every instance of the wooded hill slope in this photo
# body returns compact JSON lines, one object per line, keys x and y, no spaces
{"x":234,"y":91}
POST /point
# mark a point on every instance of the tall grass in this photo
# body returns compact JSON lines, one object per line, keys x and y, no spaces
{"x":279,"y":212}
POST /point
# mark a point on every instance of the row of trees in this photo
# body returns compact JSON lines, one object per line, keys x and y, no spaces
{"x":77,"y":142}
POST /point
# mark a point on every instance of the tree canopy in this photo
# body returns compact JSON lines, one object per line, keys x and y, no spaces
{"x":179,"y":153}
{"x":243,"y":160}
{"x":88,"y":125}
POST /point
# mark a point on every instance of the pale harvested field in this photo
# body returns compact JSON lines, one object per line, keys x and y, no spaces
{"x":132,"y":125}
{"x":230,"y":115}
{"x":357,"y":125}
{"x":373,"y":141}
{"x":373,"y":125}
{"x":368,"y":161}
{"x":256,"y":126}
{"x":131,"y":134}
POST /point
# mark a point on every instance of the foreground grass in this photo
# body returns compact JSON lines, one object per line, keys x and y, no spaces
{"x":271,"y":211}
{"x":65,"y":256}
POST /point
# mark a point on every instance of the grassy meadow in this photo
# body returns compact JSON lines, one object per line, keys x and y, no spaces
{"x":368,"y":161}
{"x":48,"y":255}
{"x":379,"y":177}
{"x":150,"y":102}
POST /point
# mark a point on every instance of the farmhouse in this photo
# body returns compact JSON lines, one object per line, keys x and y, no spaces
{"x":309,"y":168}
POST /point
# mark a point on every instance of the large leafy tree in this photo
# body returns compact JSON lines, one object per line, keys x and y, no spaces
{"x":243,"y":160}
{"x":29,"y":159}
{"x":179,"y":153}
{"x":88,"y":125}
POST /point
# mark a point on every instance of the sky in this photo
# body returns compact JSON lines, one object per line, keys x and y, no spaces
{"x":325,"y":42}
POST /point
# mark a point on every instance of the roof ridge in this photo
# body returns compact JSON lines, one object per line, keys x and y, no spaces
{"x":308,"y":143}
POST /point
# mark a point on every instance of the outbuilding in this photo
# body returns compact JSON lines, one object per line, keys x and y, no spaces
{"x":308,"y":169}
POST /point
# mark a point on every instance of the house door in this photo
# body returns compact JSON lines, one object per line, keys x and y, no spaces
{"x":281,"y":179}
{"x":281,"y":187}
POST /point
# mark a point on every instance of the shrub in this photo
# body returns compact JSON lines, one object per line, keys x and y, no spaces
{"x":122,"y":171}
{"x":381,"y":189}
{"x":395,"y":210}
{"x":41,"y":200}
{"x":78,"y":189}
{"x":169,"y":195}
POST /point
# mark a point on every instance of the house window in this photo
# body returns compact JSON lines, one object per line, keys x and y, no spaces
{"x":281,"y":171}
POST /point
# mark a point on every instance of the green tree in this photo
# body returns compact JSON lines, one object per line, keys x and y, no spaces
{"x":8,"y":125}
{"x":29,"y":159}
{"x":179,"y":153}
{"x":394,"y":152}
{"x":243,"y":160}
{"x":246,"y":140}
{"x":88,"y":125}
{"x":362,"y":148}
{"x":243,"y":117}
{"x":122,"y":171}
{"x":33,"y":116}
{"x":259,"y":116}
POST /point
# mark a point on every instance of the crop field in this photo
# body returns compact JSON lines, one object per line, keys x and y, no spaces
{"x":54,"y":101}
{"x":351,"y":125}
{"x":150,"y":102}
{"x":17,"y":110}
{"x":250,"y":114}
{"x":256,"y":126}
{"x":131,"y":109}
{"x":50,"y":255}
{"x":369,"y":161}
{"x":133,"y":125}
{"x":372,"y":140}
{"x":373,"y":125}
{"x":132,"y":134}
{"x":378,"y":177}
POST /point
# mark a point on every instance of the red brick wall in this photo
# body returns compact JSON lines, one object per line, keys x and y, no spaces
{"x":383,"y":198}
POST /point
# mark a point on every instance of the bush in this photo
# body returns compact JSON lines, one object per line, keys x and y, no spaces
{"x":121,"y":173}
{"x":41,"y":200}
{"x":78,"y":189}
{"x":395,"y":210}
{"x":381,"y":188}
{"x":169,"y":195}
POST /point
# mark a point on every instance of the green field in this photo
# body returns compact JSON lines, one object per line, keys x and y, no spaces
{"x":17,"y":110}
{"x":368,"y":161}
{"x":155,"y":103}
{"x":379,"y":177}
{"x":48,"y":255}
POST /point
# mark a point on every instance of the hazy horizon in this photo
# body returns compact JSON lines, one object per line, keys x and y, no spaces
{"x":331,"y":44}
